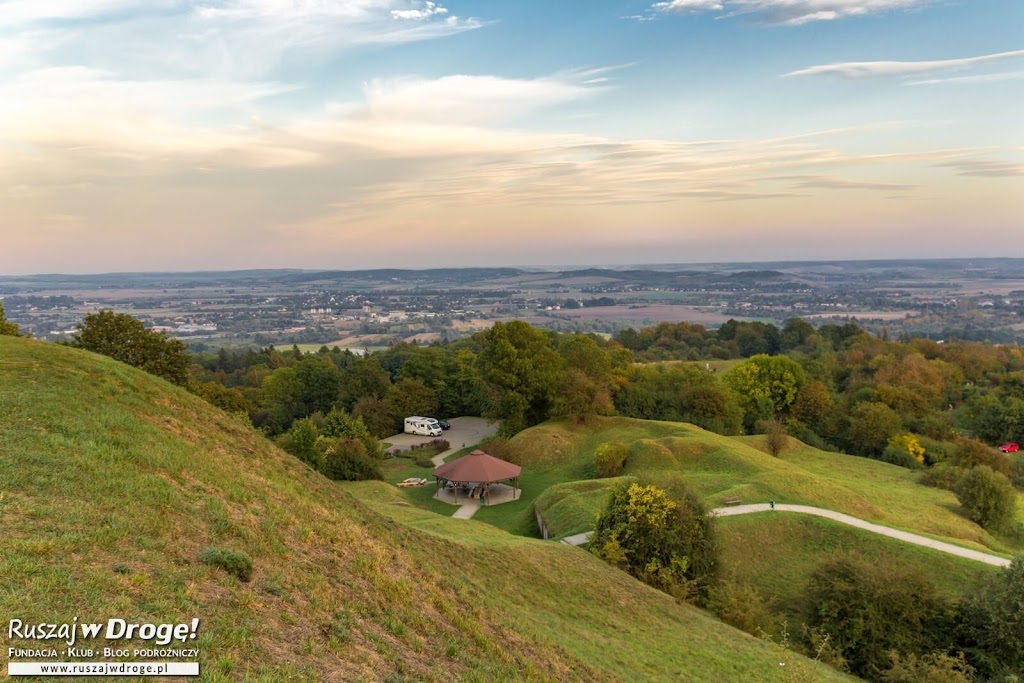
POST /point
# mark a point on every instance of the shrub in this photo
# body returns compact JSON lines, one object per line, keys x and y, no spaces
{"x":775,"y":437}
{"x":970,"y":453}
{"x":741,"y":605}
{"x":662,"y":537}
{"x":905,"y":450}
{"x":347,"y":460}
{"x":943,"y":476}
{"x":987,"y":497}
{"x":937,"y":667}
{"x":237,"y":564}
{"x":610,"y":458}
{"x":870,"y":609}
{"x":992,"y":624}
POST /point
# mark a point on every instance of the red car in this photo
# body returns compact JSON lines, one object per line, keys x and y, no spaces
{"x":1009,"y":447}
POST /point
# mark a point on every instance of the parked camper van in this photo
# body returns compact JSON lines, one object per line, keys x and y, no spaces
{"x":423,"y":426}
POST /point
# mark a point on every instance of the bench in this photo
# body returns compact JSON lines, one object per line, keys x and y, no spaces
{"x":732,"y":501}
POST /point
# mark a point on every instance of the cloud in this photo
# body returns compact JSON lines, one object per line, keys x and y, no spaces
{"x":980,"y":78}
{"x":429,"y":9}
{"x":882,"y":69}
{"x":789,"y":12}
{"x":986,"y":168}
{"x":226,"y":38}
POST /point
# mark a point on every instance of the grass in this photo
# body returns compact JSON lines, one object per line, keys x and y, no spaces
{"x":595,"y":612}
{"x":720,"y":467}
{"x":113,"y":483}
{"x":777,"y":553}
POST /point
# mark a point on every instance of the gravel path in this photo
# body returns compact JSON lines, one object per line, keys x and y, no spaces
{"x":906,"y":537}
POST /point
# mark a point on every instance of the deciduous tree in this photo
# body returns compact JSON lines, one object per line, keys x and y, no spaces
{"x":123,"y":338}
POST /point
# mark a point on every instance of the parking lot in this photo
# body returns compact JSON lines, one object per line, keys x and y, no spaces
{"x":465,"y":431}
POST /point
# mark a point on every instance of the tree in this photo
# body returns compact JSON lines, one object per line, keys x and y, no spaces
{"x":347,"y":460}
{"x":338,"y":424}
{"x":123,"y":338}
{"x":228,"y":399}
{"x":766,"y":385}
{"x":991,"y":628}
{"x":813,"y":406}
{"x":988,"y":498}
{"x":662,"y":537}
{"x":580,"y":397}
{"x":610,"y":458}
{"x":282,"y":399}
{"x":870,"y":609}
{"x":411,"y":397}
{"x":7,"y":328}
{"x":872,"y":424}
{"x":378,"y":415}
{"x":301,"y":441}
{"x":775,"y":437}
{"x":320,"y":382}
{"x":364,"y":377}
{"x":520,"y":370}
{"x":463,"y":392}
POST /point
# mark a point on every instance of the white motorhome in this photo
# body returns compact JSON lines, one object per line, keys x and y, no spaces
{"x":423,"y":426}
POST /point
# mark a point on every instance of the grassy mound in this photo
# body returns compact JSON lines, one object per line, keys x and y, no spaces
{"x":567,"y":596}
{"x":721,"y":467}
{"x":777,"y":554}
{"x":114,"y":485}
{"x":118,"y":492}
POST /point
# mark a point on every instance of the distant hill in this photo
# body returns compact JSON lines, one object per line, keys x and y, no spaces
{"x":112,"y":483}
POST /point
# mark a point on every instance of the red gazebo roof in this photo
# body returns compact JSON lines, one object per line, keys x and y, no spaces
{"x":477,"y":467}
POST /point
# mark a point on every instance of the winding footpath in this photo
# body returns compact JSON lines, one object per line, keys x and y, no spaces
{"x":906,"y":537}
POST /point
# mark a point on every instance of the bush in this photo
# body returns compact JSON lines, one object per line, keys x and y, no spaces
{"x":610,"y":458}
{"x":988,"y":498}
{"x":992,"y":624}
{"x":970,"y":453}
{"x":347,"y":460}
{"x":905,"y":450}
{"x":775,"y":438}
{"x":662,"y":537}
{"x":870,"y":609}
{"x":943,"y":476}
{"x":741,"y":605}
{"x":937,"y":667}
{"x":237,"y":564}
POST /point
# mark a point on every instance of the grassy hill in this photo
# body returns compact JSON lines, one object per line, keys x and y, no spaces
{"x":721,"y":467}
{"x":113,"y":482}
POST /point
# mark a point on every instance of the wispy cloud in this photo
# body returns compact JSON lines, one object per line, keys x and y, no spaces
{"x":789,"y":12}
{"x":986,"y":168}
{"x":882,"y":69}
{"x":979,"y":78}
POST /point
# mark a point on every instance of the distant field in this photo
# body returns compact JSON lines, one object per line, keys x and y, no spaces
{"x":665,"y":312}
{"x":862,"y":315}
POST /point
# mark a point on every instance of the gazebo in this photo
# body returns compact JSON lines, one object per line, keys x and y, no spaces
{"x":475,"y":473}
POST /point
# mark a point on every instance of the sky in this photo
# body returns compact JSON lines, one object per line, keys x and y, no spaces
{"x":143,"y":135}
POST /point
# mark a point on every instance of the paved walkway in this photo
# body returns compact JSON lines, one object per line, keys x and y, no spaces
{"x":467,"y":510}
{"x":906,"y":537}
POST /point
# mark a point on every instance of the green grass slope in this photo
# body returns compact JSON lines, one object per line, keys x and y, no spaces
{"x":113,"y":482}
{"x":777,"y":554}
{"x":567,"y":596}
{"x":721,"y":467}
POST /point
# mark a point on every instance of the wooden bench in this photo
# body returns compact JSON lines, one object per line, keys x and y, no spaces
{"x":732,"y":501}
